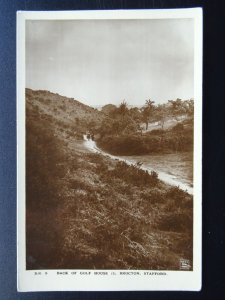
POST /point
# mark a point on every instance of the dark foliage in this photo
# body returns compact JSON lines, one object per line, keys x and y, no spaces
{"x":133,"y":175}
{"x":44,"y":166}
{"x":45,"y":170}
{"x":157,"y":141}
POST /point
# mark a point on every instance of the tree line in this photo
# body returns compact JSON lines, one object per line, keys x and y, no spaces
{"x":124,"y":120}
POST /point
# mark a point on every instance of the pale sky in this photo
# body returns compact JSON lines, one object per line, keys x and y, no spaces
{"x":106,"y":61}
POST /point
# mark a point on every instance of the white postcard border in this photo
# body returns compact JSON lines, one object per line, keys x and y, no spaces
{"x":78,"y":280}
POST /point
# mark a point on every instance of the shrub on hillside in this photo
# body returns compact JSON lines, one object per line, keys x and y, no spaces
{"x":178,"y":127}
{"x":115,"y":138}
{"x":123,"y":145}
{"x":156,"y":132}
{"x":44,"y":165}
{"x":177,"y":198}
{"x":133,"y":174}
{"x":147,"y":144}
{"x":45,"y":171}
{"x":153,"y":196}
{"x":176,"y":222}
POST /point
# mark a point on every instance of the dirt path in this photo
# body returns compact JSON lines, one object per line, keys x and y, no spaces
{"x":167,"y":178}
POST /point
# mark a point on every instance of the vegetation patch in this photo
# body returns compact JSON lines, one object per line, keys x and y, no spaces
{"x":86,"y":211}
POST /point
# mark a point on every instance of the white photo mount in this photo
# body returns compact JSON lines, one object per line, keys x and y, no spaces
{"x":107,"y":279}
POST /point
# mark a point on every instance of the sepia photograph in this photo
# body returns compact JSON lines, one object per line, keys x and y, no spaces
{"x":112,"y":143}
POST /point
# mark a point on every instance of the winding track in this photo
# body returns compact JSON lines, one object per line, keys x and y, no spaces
{"x":167,"y":178}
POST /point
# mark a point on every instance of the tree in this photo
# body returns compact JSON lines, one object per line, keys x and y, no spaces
{"x":123,"y":108}
{"x":135,"y":114}
{"x":176,"y":108}
{"x":161,"y":114}
{"x":147,"y":111}
{"x":149,"y":103}
{"x":116,"y":127}
{"x":190,"y":108}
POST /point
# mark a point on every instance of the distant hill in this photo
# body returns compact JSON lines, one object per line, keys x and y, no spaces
{"x":60,"y":110}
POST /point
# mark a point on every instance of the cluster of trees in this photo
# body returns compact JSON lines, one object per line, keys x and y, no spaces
{"x":124,"y":120}
{"x":121,"y":131}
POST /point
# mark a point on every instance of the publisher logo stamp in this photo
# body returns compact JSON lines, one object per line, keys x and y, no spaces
{"x":185,"y":264}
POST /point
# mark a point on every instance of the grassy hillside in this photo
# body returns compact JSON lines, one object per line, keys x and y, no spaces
{"x":67,"y":113}
{"x":88,"y":211}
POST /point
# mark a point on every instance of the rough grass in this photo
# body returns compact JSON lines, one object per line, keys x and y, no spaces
{"x":90,"y":212}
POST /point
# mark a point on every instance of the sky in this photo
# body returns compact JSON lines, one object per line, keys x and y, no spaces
{"x":107,"y":61}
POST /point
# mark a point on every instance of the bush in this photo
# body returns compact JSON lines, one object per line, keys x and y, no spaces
{"x":124,"y":142}
{"x":156,"y":132}
{"x":153,"y":196}
{"x":177,"y":222}
{"x":133,"y":174}
{"x":168,"y":141}
{"x":123,"y":145}
{"x":176,"y":194}
{"x":45,"y":170}
{"x":178,"y":127}
{"x":76,"y":184}
{"x":44,"y":165}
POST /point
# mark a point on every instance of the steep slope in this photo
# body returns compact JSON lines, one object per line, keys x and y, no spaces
{"x":63,"y":111}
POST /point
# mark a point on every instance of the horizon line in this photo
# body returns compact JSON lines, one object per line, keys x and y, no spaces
{"x":95,"y":105}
